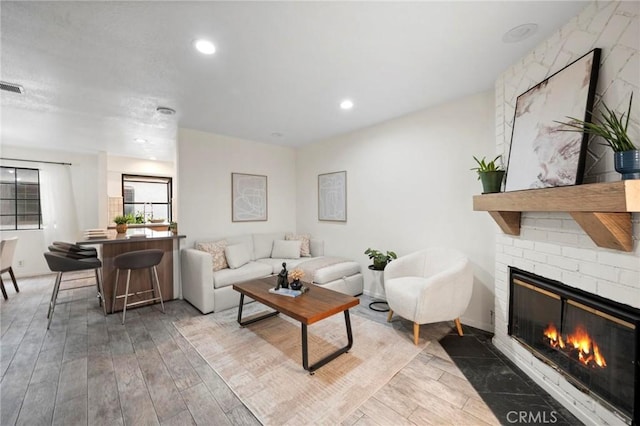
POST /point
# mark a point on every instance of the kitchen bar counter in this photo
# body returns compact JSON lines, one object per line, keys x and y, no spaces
{"x":138,"y":239}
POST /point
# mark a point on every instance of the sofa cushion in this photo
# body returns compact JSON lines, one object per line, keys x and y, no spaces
{"x":216,"y":250}
{"x":249,"y":271}
{"x":316,"y":247}
{"x":305,"y":250}
{"x":263,"y":243}
{"x":242,"y":239}
{"x":286,"y":249}
{"x":237,"y":255}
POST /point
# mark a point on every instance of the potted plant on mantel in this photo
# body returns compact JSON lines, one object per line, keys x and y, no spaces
{"x":379,"y":259}
{"x":490,"y":174}
{"x":121,"y":223}
{"x":614,"y":130}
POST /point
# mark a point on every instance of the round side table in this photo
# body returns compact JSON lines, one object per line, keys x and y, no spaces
{"x":378,"y":283}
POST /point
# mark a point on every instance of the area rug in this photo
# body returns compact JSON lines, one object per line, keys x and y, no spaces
{"x":262,"y":364}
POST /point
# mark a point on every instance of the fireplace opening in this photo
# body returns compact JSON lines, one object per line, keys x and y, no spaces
{"x":591,"y":340}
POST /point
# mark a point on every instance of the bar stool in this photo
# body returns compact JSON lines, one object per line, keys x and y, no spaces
{"x":61,"y":262}
{"x":139,"y":259}
{"x":76,"y":251}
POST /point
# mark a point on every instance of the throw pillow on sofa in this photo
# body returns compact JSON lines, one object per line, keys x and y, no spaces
{"x":216,"y":250}
{"x":304,"y":246}
{"x":237,"y":255}
{"x":283,"y":249}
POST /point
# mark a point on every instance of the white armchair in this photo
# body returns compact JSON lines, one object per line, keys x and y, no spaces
{"x":429,"y":286}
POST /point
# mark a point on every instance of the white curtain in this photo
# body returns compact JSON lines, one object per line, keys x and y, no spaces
{"x":59,"y":214}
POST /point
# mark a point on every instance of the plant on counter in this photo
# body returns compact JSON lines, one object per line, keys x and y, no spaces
{"x":380,"y":259}
{"x":122,"y":220}
{"x":139,"y":217}
{"x":173,"y":227}
{"x":121,"y":223}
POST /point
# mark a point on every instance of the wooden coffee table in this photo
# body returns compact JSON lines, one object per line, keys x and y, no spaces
{"x":316,"y":304}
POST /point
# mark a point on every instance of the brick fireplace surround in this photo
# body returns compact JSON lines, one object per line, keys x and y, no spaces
{"x":552,"y":245}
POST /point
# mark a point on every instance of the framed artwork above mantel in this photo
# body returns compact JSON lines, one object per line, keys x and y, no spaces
{"x":541,"y":155}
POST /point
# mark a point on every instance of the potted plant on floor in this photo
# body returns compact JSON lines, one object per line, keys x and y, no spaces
{"x":379,"y":259}
{"x":490,"y":174}
{"x":613,"y":128}
{"x":121,"y":223}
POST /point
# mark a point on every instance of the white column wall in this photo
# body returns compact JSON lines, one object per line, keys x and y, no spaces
{"x":552,"y":244}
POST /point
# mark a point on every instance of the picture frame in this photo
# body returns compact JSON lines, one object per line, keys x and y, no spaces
{"x":248,"y":197}
{"x":542,"y":155}
{"x":332,"y":197}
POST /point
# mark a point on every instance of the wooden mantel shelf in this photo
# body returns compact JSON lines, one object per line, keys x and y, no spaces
{"x":603,"y":210}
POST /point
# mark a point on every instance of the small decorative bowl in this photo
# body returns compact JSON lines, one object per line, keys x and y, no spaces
{"x":157,"y":220}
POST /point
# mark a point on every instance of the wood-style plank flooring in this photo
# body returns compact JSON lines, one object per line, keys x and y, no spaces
{"x":89,"y":369}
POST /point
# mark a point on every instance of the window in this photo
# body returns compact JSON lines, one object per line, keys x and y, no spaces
{"x":20,"y":198}
{"x":147,"y":196}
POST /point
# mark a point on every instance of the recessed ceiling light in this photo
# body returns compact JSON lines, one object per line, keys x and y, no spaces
{"x":140,"y":140}
{"x":520,"y":33}
{"x":205,"y":47}
{"x":166,"y":110}
{"x":346,"y":104}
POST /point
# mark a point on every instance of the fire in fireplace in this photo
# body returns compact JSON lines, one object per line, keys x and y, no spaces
{"x":592,"y":341}
{"x":577,"y":345}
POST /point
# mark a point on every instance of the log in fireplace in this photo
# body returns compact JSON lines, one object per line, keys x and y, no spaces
{"x":591,"y":340}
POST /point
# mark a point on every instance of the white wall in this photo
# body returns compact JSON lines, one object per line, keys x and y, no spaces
{"x":409,"y":187}
{"x":84,"y":178}
{"x":205,"y":164}
{"x":552,"y":244}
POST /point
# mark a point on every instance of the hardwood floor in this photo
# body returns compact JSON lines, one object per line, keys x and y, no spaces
{"x":90,"y":369}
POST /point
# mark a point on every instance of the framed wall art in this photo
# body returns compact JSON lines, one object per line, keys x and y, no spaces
{"x":332,"y":196}
{"x":541,"y":155}
{"x":248,"y":197}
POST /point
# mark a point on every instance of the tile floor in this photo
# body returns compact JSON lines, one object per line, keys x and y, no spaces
{"x":506,"y":389}
{"x":91,"y":369}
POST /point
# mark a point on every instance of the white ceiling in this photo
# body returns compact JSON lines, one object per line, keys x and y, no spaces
{"x":94,"y":72}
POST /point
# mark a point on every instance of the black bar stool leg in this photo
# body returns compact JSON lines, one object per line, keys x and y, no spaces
{"x":126,"y":296}
{"x":115,"y":291}
{"x":100,"y":283}
{"x":54,"y":298}
{"x":155,"y":272}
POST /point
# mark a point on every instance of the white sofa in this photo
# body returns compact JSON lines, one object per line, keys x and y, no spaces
{"x":211,"y":291}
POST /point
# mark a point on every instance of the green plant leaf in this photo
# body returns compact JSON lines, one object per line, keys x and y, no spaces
{"x":611,"y":127}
